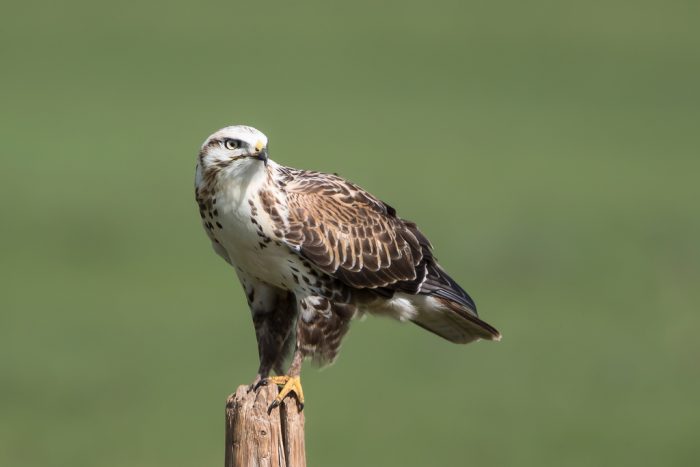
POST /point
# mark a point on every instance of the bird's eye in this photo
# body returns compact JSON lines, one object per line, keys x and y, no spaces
{"x":232,"y":144}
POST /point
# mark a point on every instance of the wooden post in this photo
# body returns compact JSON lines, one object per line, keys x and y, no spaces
{"x":255,"y":438}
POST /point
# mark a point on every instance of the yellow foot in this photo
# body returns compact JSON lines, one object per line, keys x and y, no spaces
{"x":289,"y":384}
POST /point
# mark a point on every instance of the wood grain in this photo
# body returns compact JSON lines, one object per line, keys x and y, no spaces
{"x":255,"y":438}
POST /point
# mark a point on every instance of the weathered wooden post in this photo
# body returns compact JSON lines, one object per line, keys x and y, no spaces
{"x":256,"y":438}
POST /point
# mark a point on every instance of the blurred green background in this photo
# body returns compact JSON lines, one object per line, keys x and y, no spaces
{"x":550,"y":150}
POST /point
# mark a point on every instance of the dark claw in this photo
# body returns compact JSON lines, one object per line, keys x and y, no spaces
{"x":274,"y":405}
{"x":262,"y":382}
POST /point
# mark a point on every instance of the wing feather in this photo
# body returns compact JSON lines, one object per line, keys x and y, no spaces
{"x":351,"y":235}
{"x":346,"y":232}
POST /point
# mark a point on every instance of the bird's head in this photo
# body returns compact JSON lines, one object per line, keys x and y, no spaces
{"x":235,"y":148}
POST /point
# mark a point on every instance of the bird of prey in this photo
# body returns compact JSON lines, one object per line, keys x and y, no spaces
{"x":313,"y":250}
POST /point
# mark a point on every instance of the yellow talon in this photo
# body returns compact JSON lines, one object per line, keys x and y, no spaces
{"x":289,"y":384}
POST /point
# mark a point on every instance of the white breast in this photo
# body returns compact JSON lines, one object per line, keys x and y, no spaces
{"x":245,"y":232}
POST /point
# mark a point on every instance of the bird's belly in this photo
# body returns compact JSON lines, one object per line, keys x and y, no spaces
{"x":257,"y":255}
{"x":267,"y":265}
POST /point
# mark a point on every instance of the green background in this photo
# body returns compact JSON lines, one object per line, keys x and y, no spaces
{"x":550,"y":150}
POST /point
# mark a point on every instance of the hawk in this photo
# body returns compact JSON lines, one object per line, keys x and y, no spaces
{"x":313,"y":250}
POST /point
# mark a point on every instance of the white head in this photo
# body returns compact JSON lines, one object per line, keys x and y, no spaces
{"x":234,"y":149}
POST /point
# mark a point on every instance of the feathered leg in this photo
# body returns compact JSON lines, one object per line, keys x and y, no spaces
{"x":321,"y":326}
{"x":274,"y":313}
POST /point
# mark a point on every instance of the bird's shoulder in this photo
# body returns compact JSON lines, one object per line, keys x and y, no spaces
{"x":309,"y":189}
{"x":347,"y":232}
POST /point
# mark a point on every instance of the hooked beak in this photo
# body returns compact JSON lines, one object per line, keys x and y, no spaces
{"x":261,"y":152}
{"x":262,"y":155}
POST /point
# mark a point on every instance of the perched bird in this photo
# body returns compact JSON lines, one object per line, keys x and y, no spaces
{"x":312,"y":251}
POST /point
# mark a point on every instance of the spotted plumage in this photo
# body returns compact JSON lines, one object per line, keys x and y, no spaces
{"x":313,"y":250}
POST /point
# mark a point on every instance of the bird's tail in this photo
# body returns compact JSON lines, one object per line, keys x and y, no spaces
{"x":453,"y":321}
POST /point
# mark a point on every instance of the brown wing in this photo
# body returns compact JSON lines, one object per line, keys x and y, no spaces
{"x":347,"y":233}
